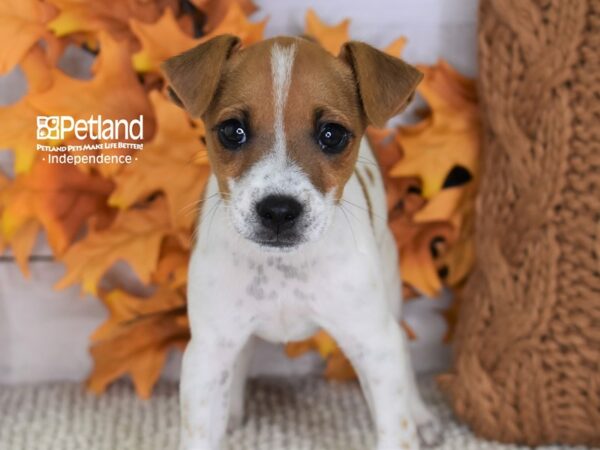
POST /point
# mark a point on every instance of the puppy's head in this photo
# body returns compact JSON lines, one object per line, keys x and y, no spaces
{"x":284,"y":120}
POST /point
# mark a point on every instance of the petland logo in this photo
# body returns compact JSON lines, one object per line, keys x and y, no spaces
{"x":104,"y":141}
{"x":96,"y":128}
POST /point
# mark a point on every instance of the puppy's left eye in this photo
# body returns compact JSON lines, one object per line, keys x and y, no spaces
{"x":232,"y":134}
{"x":333,"y":138}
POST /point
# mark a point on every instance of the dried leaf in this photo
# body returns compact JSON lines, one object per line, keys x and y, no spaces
{"x":330,"y":37}
{"x":174,"y":162}
{"x":216,"y":10}
{"x":448,"y":137}
{"x":135,"y":236}
{"x":417,"y":257}
{"x":160,"y":40}
{"x":166,"y":38}
{"x":137,"y":337}
{"x":59,"y":197}
{"x":112,"y":16}
{"x":22,"y":24}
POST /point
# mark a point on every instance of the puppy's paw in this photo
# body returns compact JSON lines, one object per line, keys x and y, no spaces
{"x":431,"y":432}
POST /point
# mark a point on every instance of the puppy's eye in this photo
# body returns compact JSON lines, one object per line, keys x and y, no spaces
{"x":232,"y":134}
{"x":333,"y":138}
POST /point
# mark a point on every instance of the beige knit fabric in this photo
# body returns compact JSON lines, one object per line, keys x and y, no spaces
{"x":527,"y":366}
{"x":290,"y":414}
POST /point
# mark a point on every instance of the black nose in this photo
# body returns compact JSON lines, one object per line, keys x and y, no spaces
{"x":278,"y":212}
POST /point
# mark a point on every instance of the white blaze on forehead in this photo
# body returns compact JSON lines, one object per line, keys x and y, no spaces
{"x":282,"y":60}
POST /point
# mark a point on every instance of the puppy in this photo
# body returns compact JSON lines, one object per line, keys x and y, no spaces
{"x":293,"y":232}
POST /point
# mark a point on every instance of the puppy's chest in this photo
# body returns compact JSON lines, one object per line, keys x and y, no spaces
{"x":281,"y":297}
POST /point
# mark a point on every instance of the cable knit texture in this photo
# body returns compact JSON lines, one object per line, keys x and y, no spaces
{"x":527,"y":362}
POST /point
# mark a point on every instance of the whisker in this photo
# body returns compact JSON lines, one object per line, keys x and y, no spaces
{"x":349,"y":225}
{"x":366,"y":160}
{"x":363,"y":209}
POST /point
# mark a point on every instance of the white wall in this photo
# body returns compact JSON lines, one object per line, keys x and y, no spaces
{"x":43,"y":333}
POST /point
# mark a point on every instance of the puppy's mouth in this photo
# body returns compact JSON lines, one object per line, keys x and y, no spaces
{"x":276,"y":241}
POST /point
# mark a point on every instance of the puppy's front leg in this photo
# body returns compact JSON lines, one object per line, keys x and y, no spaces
{"x":377,"y":352}
{"x":206,"y":376}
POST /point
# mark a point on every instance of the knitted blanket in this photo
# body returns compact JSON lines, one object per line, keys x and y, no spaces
{"x":290,"y":414}
{"x":527,"y":366}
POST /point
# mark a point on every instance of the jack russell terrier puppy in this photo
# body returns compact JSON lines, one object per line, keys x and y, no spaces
{"x":293,"y":231}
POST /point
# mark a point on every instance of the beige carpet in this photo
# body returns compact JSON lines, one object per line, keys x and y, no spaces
{"x":299,"y":414}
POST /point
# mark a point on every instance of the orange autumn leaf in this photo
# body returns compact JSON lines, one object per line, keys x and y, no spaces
{"x":137,"y":337}
{"x":22,"y":24}
{"x":23,"y":240}
{"x":156,"y":49}
{"x":172,"y":267}
{"x":22,"y":244}
{"x":339,"y":368}
{"x":331,"y":37}
{"x":236,"y":22}
{"x":17,"y":121}
{"x":417,"y":260}
{"x":396,"y":47}
{"x":216,"y":10}
{"x":112,"y":16}
{"x":37,"y":69}
{"x":59,"y":197}
{"x":174,"y":162}
{"x":448,"y":137}
{"x":135,"y":236}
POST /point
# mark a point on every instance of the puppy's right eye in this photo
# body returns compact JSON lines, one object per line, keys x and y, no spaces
{"x":232,"y":134}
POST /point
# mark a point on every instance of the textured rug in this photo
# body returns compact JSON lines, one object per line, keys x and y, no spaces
{"x":296,"y":414}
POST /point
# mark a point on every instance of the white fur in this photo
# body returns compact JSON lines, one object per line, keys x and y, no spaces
{"x":343,"y":278}
{"x":282,"y":62}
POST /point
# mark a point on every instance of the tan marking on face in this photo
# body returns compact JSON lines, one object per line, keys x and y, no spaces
{"x":245,"y":94}
{"x":370,"y":175}
{"x":321,"y":89}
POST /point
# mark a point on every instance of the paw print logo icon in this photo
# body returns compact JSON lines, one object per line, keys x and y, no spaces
{"x":48,"y":127}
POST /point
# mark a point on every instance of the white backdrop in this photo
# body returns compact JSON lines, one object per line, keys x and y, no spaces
{"x":44,"y":333}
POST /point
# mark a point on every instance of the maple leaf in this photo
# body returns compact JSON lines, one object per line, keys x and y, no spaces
{"x":94,"y":16}
{"x":135,"y":237}
{"x":417,"y":257}
{"x":59,"y":197}
{"x":448,"y":137}
{"x":396,"y":47}
{"x":156,"y":49}
{"x":330,"y":37}
{"x":17,"y":121}
{"x":172,"y":268}
{"x":24,"y":238}
{"x":22,"y":24}
{"x":174,"y":162}
{"x":137,"y":337}
{"x":22,"y":244}
{"x":236,"y":22}
{"x":216,"y":10}
{"x":37,"y":69}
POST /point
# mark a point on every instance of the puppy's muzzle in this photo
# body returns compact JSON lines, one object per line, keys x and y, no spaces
{"x":278,"y":217}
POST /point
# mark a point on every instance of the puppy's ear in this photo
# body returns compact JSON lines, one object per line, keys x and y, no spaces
{"x":194,"y":75}
{"x":386,"y":85}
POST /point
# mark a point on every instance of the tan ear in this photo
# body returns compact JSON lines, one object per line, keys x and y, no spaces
{"x":194,"y":75}
{"x":386,"y":84}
